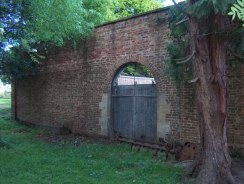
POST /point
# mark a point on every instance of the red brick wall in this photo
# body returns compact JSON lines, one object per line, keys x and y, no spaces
{"x":236,"y":108}
{"x":70,"y":87}
{"x":73,"y":87}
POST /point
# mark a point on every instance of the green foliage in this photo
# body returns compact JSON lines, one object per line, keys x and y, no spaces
{"x":235,"y":47}
{"x":59,"y":20}
{"x":136,"y":70}
{"x":221,"y":5}
{"x":28,"y":25}
{"x":17,"y":63}
{"x":125,"y":8}
{"x":201,"y":8}
{"x":1,"y":33}
{"x":30,"y":159}
{"x":179,"y":45}
{"x":237,"y":10}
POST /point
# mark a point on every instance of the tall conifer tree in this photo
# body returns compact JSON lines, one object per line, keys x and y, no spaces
{"x":199,"y":31}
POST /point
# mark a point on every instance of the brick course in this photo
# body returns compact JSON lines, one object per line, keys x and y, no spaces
{"x":73,"y":87}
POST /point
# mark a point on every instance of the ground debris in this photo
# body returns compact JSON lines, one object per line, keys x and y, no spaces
{"x":71,"y":139}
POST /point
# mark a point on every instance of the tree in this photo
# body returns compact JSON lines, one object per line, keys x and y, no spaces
{"x":198,"y":31}
{"x":29,"y":28}
{"x":137,"y":70}
{"x":125,"y":8}
{"x":237,"y":10}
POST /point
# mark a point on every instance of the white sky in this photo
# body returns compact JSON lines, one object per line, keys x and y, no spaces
{"x":169,"y":2}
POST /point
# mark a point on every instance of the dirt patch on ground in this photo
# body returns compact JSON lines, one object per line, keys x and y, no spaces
{"x":22,"y":131}
{"x":72,"y":139}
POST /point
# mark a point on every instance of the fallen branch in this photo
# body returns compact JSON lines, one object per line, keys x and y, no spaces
{"x":153,"y":146}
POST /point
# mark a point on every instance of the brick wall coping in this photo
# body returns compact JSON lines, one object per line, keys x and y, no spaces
{"x":134,"y":16}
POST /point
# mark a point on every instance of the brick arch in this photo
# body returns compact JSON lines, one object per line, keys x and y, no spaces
{"x":150,"y":64}
{"x":156,"y":66}
{"x":125,"y":65}
{"x":123,"y":104}
{"x":78,"y":82}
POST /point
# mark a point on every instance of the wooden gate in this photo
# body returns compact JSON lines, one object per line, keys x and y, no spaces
{"x":134,"y":111}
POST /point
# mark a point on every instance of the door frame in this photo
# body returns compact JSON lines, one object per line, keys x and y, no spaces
{"x":111,"y":124}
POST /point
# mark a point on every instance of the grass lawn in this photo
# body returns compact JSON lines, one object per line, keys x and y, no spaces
{"x":5,"y":101}
{"x":25,"y":158}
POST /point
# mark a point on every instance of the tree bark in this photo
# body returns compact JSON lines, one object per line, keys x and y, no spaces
{"x":209,"y":66}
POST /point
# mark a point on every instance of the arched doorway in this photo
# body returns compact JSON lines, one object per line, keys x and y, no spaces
{"x":134,"y":97}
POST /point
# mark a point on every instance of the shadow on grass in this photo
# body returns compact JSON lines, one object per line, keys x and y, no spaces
{"x":27,"y":158}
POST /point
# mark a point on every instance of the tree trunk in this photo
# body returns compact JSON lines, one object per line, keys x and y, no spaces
{"x":209,"y":66}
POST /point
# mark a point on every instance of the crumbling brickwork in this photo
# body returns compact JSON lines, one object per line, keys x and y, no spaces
{"x":73,"y":87}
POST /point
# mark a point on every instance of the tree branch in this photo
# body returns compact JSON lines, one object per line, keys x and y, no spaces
{"x":193,"y":80}
{"x":183,"y":20}
{"x":181,"y":10}
{"x":185,"y":59}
